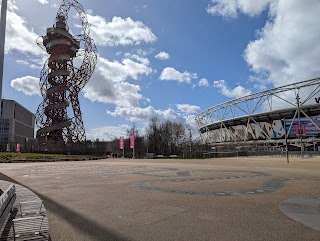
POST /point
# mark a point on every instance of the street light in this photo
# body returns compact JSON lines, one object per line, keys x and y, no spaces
{"x":190,"y":139}
{"x":286,"y":139}
{"x":2,"y":40}
{"x":299,"y":122}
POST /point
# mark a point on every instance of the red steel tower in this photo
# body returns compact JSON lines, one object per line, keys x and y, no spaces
{"x":58,"y":117}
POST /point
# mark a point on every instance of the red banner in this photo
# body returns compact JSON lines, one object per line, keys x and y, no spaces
{"x":121,"y":142}
{"x":131,"y":141}
{"x":303,"y":130}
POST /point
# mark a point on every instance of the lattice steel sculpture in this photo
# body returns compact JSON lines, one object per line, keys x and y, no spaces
{"x":58,"y":117}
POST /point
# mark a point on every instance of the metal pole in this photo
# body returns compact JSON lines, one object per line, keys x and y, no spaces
{"x":133,"y":154}
{"x":190,"y":150}
{"x":299,"y":121}
{"x":2,"y":41}
{"x":147,"y":144}
{"x":285,"y":138}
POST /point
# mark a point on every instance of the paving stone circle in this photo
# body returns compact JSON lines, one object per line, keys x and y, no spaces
{"x":267,"y":187}
{"x":164,"y":176}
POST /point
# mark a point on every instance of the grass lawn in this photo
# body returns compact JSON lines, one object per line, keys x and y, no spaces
{"x":33,"y":156}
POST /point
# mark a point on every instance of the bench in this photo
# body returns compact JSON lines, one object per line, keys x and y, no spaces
{"x":30,"y":208}
{"x":29,"y":225}
{"x":7,"y":200}
{"x":31,"y":220}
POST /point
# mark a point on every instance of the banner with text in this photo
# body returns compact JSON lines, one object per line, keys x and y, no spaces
{"x":131,"y":141}
{"x":121,"y":142}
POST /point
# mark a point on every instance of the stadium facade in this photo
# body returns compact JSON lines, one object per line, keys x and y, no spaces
{"x":276,"y":117}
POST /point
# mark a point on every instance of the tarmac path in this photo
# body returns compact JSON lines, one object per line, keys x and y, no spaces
{"x":206,"y":199}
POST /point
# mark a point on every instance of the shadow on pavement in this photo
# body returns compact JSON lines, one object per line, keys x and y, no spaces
{"x":81,"y":223}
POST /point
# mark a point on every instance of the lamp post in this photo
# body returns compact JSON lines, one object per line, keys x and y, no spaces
{"x":2,"y":41}
{"x":190,"y":144}
{"x":299,"y":124}
{"x":147,"y":142}
{"x":286,"y":140}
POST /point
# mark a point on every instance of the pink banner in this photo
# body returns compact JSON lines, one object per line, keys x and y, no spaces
{"x":121,"y":142}
{"x":18,"y":147}
{"x":131,"y":141}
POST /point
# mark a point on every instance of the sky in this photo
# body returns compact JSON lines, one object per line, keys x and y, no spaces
{"x":169,"y":59}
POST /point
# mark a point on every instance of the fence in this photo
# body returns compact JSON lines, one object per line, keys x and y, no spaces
{"x":306,"y":154}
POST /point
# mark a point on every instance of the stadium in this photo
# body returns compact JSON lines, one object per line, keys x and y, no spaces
{"x":277,"y":119}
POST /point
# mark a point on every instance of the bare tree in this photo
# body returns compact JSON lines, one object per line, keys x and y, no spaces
{"x":153,"y":135}
{"x":166,"y":138}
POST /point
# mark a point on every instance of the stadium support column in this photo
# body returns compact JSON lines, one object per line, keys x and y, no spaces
{"x":2,"y":40}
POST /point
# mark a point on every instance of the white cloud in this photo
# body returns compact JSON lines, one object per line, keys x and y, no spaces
{"x":12,"y":5}
{"x":31,"y":63}
{"x":226,"y":8}
{"x":109,"y":81}
{"x":107,"y":133}
{"x":186,"y":108}
{"x":43,"y":2}
{"x":137,"y":58}
{"x":144,"y":114}
{"x":203,"y":82}
{"x":119,"y":31}
{"x":253,"y":8}
{"x":19,"y":37}
{"x":231,"y":8}
{"x":170,"y":73}
{"x":28,"y":85}
{"x":236,"y":92}
{"x":287,"y":49}
{"x":162,"y":55}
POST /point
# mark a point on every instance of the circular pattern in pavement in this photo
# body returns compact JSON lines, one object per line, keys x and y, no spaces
{"x":267,"y":187}
{"x":166,"y":178}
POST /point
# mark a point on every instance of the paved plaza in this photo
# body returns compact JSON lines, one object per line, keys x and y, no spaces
{"x":206,"y":199}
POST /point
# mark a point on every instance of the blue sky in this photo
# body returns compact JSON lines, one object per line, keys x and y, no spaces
{"x":171,"y":58}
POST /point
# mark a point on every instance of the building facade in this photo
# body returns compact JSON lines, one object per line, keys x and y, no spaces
{"x":16,"y":125}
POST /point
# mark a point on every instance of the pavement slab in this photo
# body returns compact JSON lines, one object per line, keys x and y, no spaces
{"x":305,"y":210}
{"x":172,"y":199}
